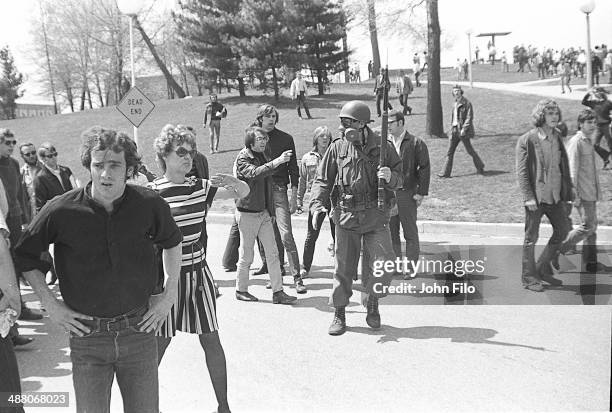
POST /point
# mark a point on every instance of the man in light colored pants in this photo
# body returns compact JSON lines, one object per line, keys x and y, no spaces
{"x":254,"y":225}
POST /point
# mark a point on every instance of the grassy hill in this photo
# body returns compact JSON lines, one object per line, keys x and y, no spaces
{"x":500,"y":118}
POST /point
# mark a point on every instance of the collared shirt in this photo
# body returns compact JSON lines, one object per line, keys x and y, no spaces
{"x":583,"y":168}
{"x":56,"y":172}
{"x":548,"y":183}
{"x":298,"y":86}
{"x":455,"y":114}
{"x":105,"y":262}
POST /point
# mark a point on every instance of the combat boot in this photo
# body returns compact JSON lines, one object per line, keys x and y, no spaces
{"x":373,"y":316}
{"x":338,"y":326}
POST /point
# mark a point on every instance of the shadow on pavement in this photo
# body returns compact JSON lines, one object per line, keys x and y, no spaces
{"x":455,"y":334}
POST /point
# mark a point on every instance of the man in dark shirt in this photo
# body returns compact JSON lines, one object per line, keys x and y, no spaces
{"x":214,"y":111}
{"x":267,"y":118}
{"x":104,"y":236}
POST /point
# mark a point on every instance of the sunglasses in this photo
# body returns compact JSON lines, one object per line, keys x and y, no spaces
{"x":8,"y":142}
{"x":50,"y":155}
{"x":182,"y":152}
{"x":30,"y":153}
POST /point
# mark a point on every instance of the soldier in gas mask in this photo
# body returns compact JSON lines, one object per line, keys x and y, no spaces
{"x":349,"y":174}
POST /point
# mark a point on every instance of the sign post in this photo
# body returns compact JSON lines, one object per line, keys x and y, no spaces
{"x":135,"y":106}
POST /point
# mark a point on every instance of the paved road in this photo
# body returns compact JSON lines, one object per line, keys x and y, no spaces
{"x":538,"y":87}
{"x":532,"y":357}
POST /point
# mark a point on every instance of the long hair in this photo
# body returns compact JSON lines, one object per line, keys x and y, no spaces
{"x":540,"y":109}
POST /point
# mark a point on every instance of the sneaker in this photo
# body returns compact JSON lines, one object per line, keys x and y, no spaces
{"x":300,"y":288}
{"x":443,"y":176}
{"x":338,"y":326}
{"x":269,"y":285}
{"x":373,"y":316}
{"x":217,"y":292}
{"x":304,"y":273}
{"x":280,"y":297}
{"x":245,"y":296}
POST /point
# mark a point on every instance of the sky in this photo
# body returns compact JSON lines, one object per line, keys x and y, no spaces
{"x":541,"y":23}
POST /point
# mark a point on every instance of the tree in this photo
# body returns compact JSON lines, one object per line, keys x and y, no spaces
{"x":267,"y":42}
{"x":319,"y":27}
{"x":205,"y":28}
{"x":10,"y":81}
{"x":434,"y":124}
{"x":373,"y":35}
{"x":162,"y":66}
{"x":46,"y":44}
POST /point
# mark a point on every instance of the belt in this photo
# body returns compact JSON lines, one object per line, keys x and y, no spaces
{"x":121,"y":322}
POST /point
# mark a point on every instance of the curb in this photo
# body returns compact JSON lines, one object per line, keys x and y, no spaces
{"x":482,"y":229}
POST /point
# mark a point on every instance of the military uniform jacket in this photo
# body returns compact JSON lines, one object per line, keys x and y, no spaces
{"x":347,"y":175}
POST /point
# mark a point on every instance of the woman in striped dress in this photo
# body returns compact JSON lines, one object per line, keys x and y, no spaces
{"x":195,"y":310}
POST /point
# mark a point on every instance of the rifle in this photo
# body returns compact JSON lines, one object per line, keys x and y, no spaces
{"x":384,"y":133}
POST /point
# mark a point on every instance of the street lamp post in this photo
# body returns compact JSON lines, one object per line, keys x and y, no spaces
{"x":469,"y":35}
{"x":587,"y":8}
{"x":131,"y":8}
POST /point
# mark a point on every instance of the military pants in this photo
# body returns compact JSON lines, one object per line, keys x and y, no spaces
{"x":379,"y":249}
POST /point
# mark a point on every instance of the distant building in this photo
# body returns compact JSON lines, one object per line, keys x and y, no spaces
{"x":31,"y":110}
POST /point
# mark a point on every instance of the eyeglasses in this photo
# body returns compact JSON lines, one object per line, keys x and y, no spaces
{"x":262,"y":138}
{"x":8,"y":142}
{"x":182,"y":152}
{"x":30,"y":153}
{"x":50,"y":155}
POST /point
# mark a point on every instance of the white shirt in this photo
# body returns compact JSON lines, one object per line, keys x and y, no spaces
{"x":297,"y":86}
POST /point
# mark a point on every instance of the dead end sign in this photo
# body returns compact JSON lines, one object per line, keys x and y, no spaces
{"x":135,"y":106}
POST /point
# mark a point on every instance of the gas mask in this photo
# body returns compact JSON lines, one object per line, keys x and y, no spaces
{"x":350,"y":134}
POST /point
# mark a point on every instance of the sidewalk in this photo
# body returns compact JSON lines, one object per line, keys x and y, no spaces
{"x":531,"y":88}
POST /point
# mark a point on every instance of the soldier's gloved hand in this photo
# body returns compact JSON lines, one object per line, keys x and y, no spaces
{"x":384,"y":173}
{"x":315,"y":217}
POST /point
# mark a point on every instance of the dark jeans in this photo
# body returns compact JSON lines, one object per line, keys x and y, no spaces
{"x":452,"y":147}
{"x":407,"y":217}
{"x":128,"y":354}
{"x":556,"y":214}
{"x":301,"y":101}
{"x":403,"y":99}
{"x":9,"y":373}
{"x":311,"y":238}
{"x":379,"y":99}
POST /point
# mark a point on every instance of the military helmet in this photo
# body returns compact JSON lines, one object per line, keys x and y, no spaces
{"x":357,"y":110}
